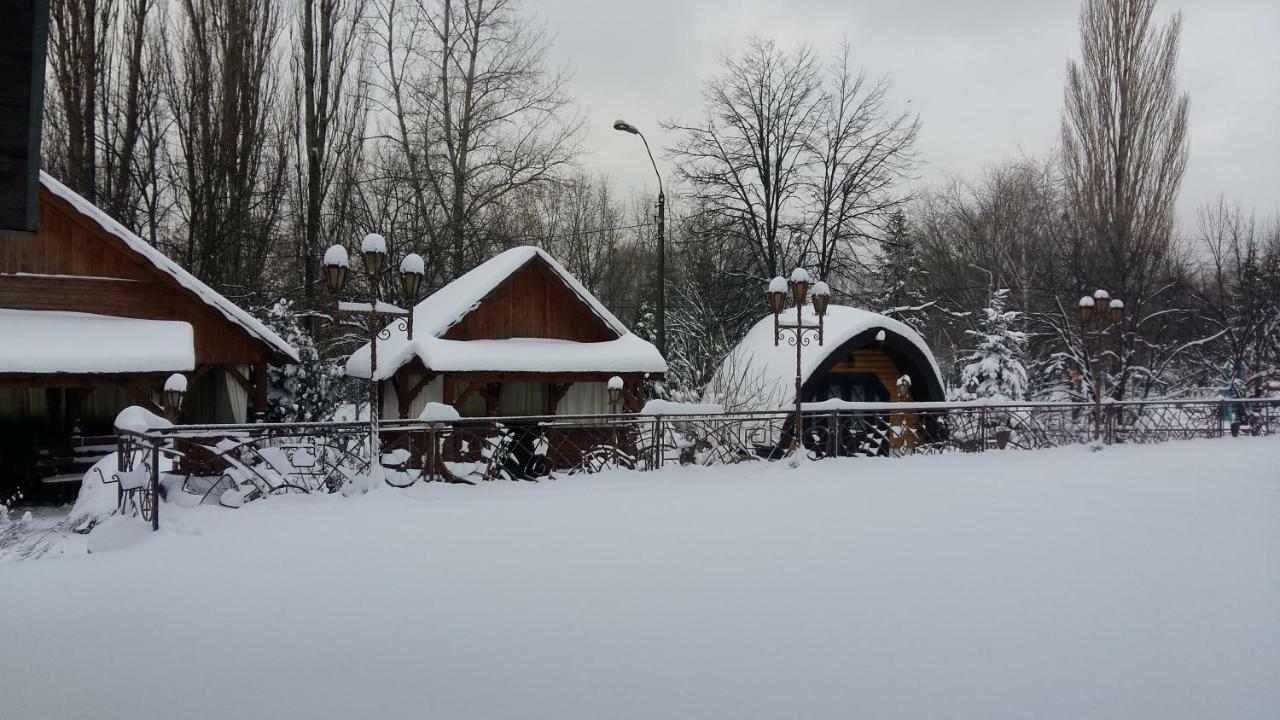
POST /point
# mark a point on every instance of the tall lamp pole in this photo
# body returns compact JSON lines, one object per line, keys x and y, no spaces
{"x":796,"y":333}
{"x":373,"y":250}
{"x":627,"y":127}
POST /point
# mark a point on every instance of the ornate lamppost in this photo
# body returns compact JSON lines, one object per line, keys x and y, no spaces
{"x":373,"y":249}
{"x":797,"y":333}
{"x":1095,"y":312}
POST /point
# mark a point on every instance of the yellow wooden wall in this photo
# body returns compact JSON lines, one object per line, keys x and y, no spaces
{"x":877,"y":362}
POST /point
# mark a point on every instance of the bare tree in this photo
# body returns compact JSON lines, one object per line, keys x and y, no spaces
{"x":865,"y":155}
{"x":1237,"y":301}
{"x":329,"y":102}
{"x":748,"y":160}
{"x":78,"y":46}
{"x":1124,"y":150}
{"x":476,"y":115}
{"x":223,"y":91}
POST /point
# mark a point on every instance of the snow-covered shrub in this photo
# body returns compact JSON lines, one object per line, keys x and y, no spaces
{"x":994,"y":370}
{"x":308,"y":391}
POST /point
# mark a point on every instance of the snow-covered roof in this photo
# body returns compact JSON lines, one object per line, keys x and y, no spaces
{"x":51,"y":341}
{"x":759,"y":375}
{"x":228,"y":309}
{"x":433,"y":316}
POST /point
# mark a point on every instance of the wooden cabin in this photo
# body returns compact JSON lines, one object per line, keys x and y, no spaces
{"x":864,"y":357}
{"x":93,"y":319}
{"x":516,"y":336}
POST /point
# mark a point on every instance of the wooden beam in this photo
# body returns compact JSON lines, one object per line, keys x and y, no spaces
{"x":503,"y":376}
{"x":65,"y":380}
{"x":235,"y":374}
{"x":558,"y":391}
{"x":260,"y":388}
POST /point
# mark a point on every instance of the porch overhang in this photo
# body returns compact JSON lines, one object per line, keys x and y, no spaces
{"x":41,"y":343}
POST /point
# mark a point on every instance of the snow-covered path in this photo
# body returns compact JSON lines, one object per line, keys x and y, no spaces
{"x":1139,"y":582}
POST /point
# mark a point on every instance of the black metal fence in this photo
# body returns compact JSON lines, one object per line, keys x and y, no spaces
{"x":231,"y":464}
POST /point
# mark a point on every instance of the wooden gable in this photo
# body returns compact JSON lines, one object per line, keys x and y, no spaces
{"x":533,"y":302}
{"x":72,"y":264}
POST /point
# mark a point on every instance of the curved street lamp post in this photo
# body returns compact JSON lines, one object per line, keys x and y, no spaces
{"x":624,"y":126}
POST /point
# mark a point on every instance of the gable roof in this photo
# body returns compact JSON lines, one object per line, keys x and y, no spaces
{"x":760,"y":375}
{"x":446,"y":307}
{"x":163,"y":264}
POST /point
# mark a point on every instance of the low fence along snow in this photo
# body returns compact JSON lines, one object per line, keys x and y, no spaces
{"x":231,"y":464}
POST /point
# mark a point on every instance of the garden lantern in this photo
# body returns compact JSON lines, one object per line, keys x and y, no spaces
{"x":799,"y":286}
{"x":821,"y":296}
{"x":374,"y":249}
{"x":175,"y":389}
{"x":615,"y":393}
{"x":336,"y":263}
{"x":777,"y":295}
{"x":1086,"y":309}
{"x":1117,"y":310}
{"x":412,"y":269}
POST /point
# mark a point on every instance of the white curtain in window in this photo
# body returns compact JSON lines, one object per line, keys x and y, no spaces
{"x":237,"y":396}
{"x":585,"y":398}
{"x":433,"y":392}
{"x":522,"y":399}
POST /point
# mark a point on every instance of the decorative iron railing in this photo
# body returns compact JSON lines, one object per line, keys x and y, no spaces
{"x":231,"y":464}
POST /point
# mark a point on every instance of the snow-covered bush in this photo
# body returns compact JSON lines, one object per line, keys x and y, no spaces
{"x":305,"y":392}
{"x":994,"y":370}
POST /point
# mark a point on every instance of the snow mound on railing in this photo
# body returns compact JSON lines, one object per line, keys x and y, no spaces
{"x":667,"y":407}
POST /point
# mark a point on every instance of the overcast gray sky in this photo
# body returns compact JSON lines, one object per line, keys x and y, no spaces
{"x":985,"y":76}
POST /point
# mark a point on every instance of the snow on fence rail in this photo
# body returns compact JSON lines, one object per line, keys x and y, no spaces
{"x":232,"y":464}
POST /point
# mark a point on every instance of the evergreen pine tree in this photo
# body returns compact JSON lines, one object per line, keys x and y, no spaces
{"x":899,"y":273}
{"x":308,"y":391}
{"x":994,"y":369}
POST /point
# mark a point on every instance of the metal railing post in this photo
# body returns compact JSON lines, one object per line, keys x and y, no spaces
{"x":155,"y":487}
{"x":833,"y":433}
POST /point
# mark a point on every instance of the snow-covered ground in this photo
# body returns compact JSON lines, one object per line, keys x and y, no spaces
{"x":1138,"y":582}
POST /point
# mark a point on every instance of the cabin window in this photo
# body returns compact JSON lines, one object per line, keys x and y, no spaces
{"x":523,"y":398}
{"x":854,"y":387}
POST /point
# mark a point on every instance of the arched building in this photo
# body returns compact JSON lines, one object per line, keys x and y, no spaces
{"x":862,"y":358}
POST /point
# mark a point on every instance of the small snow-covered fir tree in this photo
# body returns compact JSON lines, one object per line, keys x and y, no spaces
{"x":994,"y":369}
{"x":308,"y":391}
{"x":899,"y":275}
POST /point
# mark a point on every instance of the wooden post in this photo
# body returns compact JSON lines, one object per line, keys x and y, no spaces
{"x":260,"y":389}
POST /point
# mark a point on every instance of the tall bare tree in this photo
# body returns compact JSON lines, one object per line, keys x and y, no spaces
{"x":223,"y":91}
{"x":80,"y":31}
{"x":748,"y":160}
{"x":329,"y":100}
{"x":865,"y":155}
{"x":1124,"y":151}
{"x":477,"y":114}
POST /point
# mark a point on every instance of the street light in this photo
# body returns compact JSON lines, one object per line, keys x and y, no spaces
{"x":798,"y":287}
{"x":373,"y":251}
{"x":626,"y":127}
{"x":1097,"y":310}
